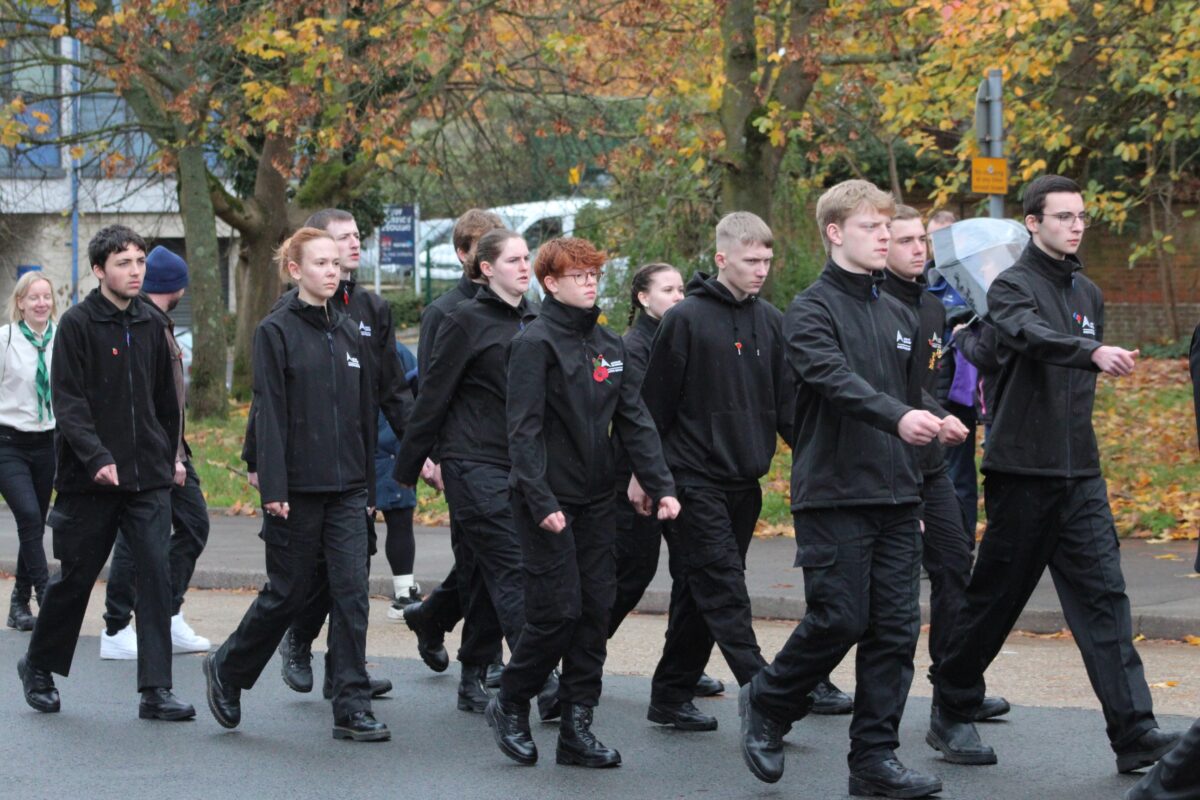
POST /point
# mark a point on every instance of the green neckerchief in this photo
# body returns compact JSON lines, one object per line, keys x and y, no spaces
{"x":43,"y":374}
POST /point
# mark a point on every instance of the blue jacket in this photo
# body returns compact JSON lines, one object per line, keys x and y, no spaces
{"x":389,"y":495}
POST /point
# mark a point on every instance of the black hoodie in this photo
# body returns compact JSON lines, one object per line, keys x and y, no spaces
{"x":567,"y":395}
{"x":1049,"y":320}
{"x":114,"y":399}
{"x":850,"y":346}
{"x":930,"y":356}
{"x":461,"y":404}
{"x":638,"y":339}
{"x":311,"y":395}
{"x":718,"y":386}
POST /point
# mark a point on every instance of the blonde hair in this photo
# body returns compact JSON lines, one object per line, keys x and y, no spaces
{"x":742,"y":227}
{"x":22,"y":288}
{"x":292,"y":249}
{"x":842,"y":200}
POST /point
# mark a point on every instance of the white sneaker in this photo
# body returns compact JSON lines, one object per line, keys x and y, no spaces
{"x":412,"y":594}
{"x":121,"y":647}
{"x":184,"y":639}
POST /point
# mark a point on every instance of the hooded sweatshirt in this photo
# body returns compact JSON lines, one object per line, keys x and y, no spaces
{"x":311,"y":392}
{"x":718,"y":386}
{"x":568,"y":394}
{"x":1049,"y":319}
{"x":850,"y":346}
{"x":461,"y":407}
{"x":113,"y":394}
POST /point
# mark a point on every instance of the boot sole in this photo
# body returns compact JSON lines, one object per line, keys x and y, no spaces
{"x":472,"y":708}
{"x":832,"y":711}
{"x":952,"y":757}
{"x":523,"y":760}
{"x":568,"y":759}
{"x":42,"y":707}
{"x":1131,"y":762}
{"x":659,"y":718}
{"x":860,"y":787}
{"x":167,"y":716}
{"x":23,"y":628}
{"x":362,"y":736}
{"x":743,"y":701}
{"x":222,"y":720}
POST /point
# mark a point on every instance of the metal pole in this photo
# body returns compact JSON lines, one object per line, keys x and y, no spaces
{"x":995,"y":134}
{"x":428,"y":276}
{"x":75,"y":90}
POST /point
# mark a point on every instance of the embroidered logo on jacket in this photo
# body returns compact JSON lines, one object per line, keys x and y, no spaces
{"x":364,"y":329}
{"x":903,"y":342}
{"x":602,"y":368}
{"x":351,"y":361}
{"x":1088,"y":327}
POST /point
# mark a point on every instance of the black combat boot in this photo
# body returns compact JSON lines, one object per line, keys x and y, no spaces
{"x":473,"y":696}
{"x":577,"y":745}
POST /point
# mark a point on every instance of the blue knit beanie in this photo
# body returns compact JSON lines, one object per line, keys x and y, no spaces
{"x":165,"y":272}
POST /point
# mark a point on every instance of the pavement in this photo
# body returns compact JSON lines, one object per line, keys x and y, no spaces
{"x":97,"y":748}
{"x":1163,"y":588}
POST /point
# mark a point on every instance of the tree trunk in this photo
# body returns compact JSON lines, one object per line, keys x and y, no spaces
{"x":206,"y":393}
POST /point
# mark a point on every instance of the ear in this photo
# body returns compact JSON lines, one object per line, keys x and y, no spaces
{"x":463,"y":256}
{"x":486,"y":269}
{"x":833,"y":232}
{"x":550,"y":284}
{"x":1031,"y":223}
{"x":294,"y":271}
{"x":719,"y":260}
{"x":98,"y":272}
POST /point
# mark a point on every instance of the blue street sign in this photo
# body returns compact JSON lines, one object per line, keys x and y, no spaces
{"x":398,"y":239}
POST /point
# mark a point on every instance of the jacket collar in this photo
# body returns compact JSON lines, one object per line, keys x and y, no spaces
{"x":484,"y":294}
{"x":646,"y":324}
{"x":579,"y":320}
{"x":468,"y":287}
{"x":101,"y":310}
{"x":909,"y":292}
{"x":323,"y":318}
{"x":864,"y":287}
{"x":1051,"y":268}
{"x":704,"y":284}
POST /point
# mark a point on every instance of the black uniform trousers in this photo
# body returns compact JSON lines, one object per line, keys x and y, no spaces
{"x":960,"y":460}
{"x":329,"y":523}
{"x":479,"y":495}
{"x":862,"y":571}
{"x":570,"y":578}
{"x":1065,"y":524}
{"x":947,"y":558}
{"x":709,"y":600}
{"x":639,"y":540}
{"x":85,"y":526}
{"x":189,"y":520}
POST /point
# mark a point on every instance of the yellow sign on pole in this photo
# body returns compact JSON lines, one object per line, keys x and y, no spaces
{"x":989,"y":176}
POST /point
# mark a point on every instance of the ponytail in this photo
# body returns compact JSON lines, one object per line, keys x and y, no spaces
{"x":641,"y":283}
{"x":292,"y":249}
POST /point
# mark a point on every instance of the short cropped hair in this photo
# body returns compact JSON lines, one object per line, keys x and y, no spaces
{"x":557,"y":256}
{"x":1034,"y":201}
{"x":473,"y":224}
{"x":742,"y":227}
{"x":840,"y":201}
{"x":943,"y":215}
{"x":321,"y":219}
{"x":905,"y":212}
{"x":112,"y":239}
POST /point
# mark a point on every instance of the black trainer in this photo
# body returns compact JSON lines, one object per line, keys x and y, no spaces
{"x":430,"y":639}
{"x":890,"y":778}
{"x":161,"y":704}
{"x":577,"y":745}
{"x":38,"y":685}
{"x":683,"y":716}
{"x":361,"y":726}
{"x":296,"y":663}
{"x":510,"y":727}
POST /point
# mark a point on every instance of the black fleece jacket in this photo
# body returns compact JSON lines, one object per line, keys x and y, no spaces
{"x":850,"y":346}
{"x":314,"y":411}
{"x":461,"y":404}
{"x":638,"y":339}
{"x":386,"y":387}
{"x":718,"y":386}
{"x":114,"y":399}
{"x":930,"y":356}
{"x":434,"y":313}
{"x":1049,"y":319}
{"x":567,"y":395}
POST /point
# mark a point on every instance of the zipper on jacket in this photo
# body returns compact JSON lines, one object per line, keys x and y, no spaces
{"x":1067,"y":400}
{"x":137,"y":480}
{"x":337,"y":425}
{"x":591,"y":412}
{"x":880,"y":356}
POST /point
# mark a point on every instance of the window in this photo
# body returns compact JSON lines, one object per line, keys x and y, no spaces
{"x":542,"y":231}
{"x":27,"y":75}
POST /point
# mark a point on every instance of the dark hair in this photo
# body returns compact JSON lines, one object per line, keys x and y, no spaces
{"x":474,"y":222}
{"x":641,"y":283}
{"x":1034,"y":201}
{"x":488,"y":249}
{"x":321,"y":219}
{"x":112,"y":239}
{"x":557,"y":256}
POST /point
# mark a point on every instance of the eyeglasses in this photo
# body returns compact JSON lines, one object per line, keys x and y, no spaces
{"x":582,"y":278}
{"x":1066,"y":218}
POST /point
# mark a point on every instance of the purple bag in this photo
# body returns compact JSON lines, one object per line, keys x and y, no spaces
{"x":962,"y":388}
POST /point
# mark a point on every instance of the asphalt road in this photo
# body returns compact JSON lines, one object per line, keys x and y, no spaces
{"x":97,"y":748}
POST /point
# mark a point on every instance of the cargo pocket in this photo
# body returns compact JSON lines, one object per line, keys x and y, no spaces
{"x":815,"y":556}
{"x":274,"y":530}
{"x":546,"y":595}
{"x":64,"y":534}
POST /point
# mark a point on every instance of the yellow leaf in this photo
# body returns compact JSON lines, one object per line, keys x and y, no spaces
{"x":1141,"y":637}
{"x":573,"y":176}
{"x":383,"y":160}
{"x":1194,"y":641}
{"x":376,"y":31}
{"x":58,"y":30}
{"x":1164,"y":685}
{"x":1168,"y":557}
